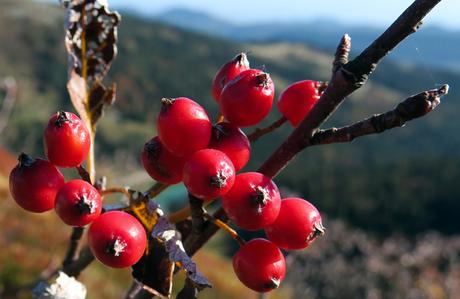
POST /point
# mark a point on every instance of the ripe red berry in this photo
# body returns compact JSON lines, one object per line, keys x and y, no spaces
{"x":183,"y":126}
{"x":230,"y":140}
{"x":117,"y":239}
{"x":253,"y":202}
{"x":208,"y":174}
{"x":297,"y":226}
{"x":228,"y":72}
{"x":78,"y":203}
{"x":160,"y":163}
{"x":67,"y":140}
{"x":248,"y":98}
{"x":296,"y":101}
{"x":259,"y":265}
{"x":34,"y":184}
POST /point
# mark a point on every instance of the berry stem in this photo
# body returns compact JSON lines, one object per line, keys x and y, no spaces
{"x":183,"y":213}
{"x":84,"y":174}
{"x":219,"y":223}
{"x":259,"y":132}
{"x":155,"y":190}
{"x":114,"y":190}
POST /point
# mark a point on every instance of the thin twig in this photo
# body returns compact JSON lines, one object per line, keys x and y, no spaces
{"x":259,"y":132}
{"x":155,"y":190}
{"x":73,"y":251}
{"x":345,"y":81}
{"x":84,"y":174}
{"x":411,"y":108}
{"x":85,"y":258}
{"x":134,"y":290}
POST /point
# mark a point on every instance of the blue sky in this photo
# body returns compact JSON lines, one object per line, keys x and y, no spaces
{"x":375,"y":12}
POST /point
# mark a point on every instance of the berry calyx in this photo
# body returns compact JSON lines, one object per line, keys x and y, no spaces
{"x":230,"y":140}
{"x":208,"y":173}
{"x":78,"y":203}
{"x":34,"y":184}
{"x":67,"y":140}
{"x":259,"y":265}
{"x":183,"y":126}
{"x":297,"y":226}
{"x":160,"y":163}
{"x":297,"y":100}
{"x":117,"y":239}
{"x":253,"y":202}
{"x":248,"y":98}
{"x":228,"y":72}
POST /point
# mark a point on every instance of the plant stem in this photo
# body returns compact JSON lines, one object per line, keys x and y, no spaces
{"x":258,"y":132}
{"x":224,"y":226}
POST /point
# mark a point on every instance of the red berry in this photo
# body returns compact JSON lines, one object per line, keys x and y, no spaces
{"x":160,"y":163}
{"x":296,"y":101}
{"x":34,"y":184}
{"x":228,"y":72}
{"x":230,"y":140}
{"x":248,"y":98}
{"x":183,"y":126}
{"x":208,"y":174}
{"x":117,"y":239}
{"x":67,"y":140}
{"x":253,"y":202}
{"x":297,"y":226}
{"x":259,"y":265}
{"x":78,"y":203}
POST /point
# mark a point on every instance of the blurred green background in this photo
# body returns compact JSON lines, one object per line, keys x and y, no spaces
{"x":391,"y":200}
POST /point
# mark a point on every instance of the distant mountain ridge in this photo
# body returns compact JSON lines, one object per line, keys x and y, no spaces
{"x":422,"y":48}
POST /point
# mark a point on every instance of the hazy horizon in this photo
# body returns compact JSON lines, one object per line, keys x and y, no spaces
{"x":242,"y":12}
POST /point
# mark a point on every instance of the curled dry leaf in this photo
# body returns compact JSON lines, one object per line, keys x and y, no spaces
{"x":155,"y":270}
{"x":165,"y":232}
{"x":91,"y":36}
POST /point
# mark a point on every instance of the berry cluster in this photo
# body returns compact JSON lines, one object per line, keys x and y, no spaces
{"x":117,"y":239}
{"x":206,"y":157}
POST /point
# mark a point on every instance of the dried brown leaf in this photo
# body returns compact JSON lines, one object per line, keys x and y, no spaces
{"x":91,"y":36}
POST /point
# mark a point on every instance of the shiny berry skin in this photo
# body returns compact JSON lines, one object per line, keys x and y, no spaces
{"x":248,"y":98}
{"x":117,"y":239}
{"x":208,"y":174}
{"x":297,"y":226}
{"x":253,"y":202}
{"x":67,"y":140}
{"x":230,"y":140}
{"x":259,"y":265}
{"x":160,"y":163}
{"x":296,"y":101}
{"x":228,"y":72}
{"x":183,"y":126}
{"x":34,"y":184}
{"x":78,"y":203}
